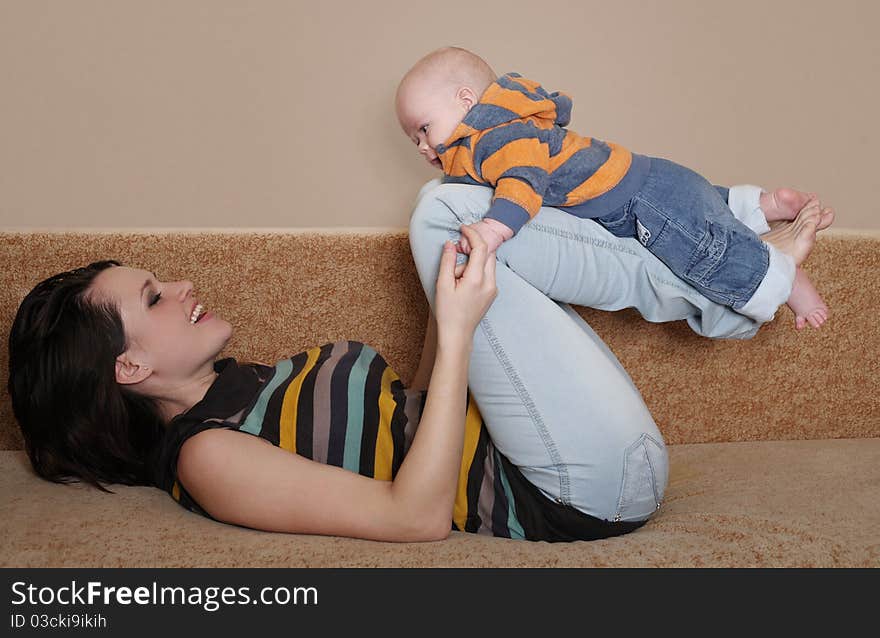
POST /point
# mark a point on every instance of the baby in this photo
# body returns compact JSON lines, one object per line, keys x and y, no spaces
{"x":508,"y":132}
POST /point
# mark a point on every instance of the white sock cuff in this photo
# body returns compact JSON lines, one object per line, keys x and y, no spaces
{"x":774,"y":290}
{"x":744,"y":201}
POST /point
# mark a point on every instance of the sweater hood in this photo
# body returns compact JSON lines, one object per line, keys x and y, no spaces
{"x":512,"y":97}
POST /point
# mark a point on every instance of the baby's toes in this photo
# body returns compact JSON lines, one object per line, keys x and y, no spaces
{"x":799,"y":322}
{"x":815,"y":319}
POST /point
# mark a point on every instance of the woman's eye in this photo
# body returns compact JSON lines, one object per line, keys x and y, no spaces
{"x":155,"y":299}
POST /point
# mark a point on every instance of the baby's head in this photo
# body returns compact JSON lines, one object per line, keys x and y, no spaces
{"x":436,"y":93}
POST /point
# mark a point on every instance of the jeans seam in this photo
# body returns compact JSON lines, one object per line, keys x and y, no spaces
{"x":648,"y":437}
{"x":614,"y":246}
{"x":716,"y":262}
{"x":598,"y":243}
{"x":525,"y":397}
{"x":623,"y":476}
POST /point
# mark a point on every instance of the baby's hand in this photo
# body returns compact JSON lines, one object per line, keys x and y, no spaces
{"x":493,"y":232}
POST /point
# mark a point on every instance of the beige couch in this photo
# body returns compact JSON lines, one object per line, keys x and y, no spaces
{"x":774,"y":442}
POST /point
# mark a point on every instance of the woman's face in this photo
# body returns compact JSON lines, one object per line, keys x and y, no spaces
{"x":157,"y":317}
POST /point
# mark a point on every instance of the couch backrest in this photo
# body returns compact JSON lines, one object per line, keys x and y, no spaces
{"x":286,"y":292}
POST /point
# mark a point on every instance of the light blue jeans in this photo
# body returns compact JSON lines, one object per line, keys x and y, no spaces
{"x":555,"y":400}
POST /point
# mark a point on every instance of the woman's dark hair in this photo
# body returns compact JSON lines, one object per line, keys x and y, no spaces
{"x":78,"y":423}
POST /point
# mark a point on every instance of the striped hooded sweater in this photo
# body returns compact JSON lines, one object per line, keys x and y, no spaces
{"x":514,"y":140}
{"x":342,"y":404}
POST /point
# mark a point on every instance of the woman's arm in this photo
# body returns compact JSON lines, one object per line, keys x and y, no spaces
{"x":422,"y":377}
{"x":238,"y":478}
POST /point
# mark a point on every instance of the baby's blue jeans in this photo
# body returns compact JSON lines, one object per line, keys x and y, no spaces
{"x":555,"y":400}
{"x":685,"y":221}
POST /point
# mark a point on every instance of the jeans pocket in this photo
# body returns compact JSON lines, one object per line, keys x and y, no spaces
{"x":619,"y":222}
{"x":649,"y":223}
{"x":708,"y":255}
{"x":645,"y":472}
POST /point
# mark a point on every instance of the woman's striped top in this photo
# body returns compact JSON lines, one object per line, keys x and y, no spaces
{"x":342,"y":404}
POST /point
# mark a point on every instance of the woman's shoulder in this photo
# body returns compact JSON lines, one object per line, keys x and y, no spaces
{"x":213,"y":466}
{"x":208,"y":449}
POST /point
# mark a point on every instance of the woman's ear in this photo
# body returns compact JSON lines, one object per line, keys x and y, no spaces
{"x":129,"y":371}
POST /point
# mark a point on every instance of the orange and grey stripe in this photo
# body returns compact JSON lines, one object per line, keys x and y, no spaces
{"x":530,"y":160}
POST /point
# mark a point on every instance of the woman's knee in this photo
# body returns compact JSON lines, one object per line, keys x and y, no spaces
{"x":629,"y":482}
{"x":438,"y":217}
{"x":645,"y":473}
{"x":443,"y":209}
{"x":429,"y":225}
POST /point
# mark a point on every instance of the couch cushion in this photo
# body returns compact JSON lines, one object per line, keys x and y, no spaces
{"x":288,"y":291}
{"x":774,"y":503}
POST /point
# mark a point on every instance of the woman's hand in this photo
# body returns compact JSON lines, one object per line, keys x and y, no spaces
{"x":461,"y":302}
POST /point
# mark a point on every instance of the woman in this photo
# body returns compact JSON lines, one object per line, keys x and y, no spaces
{"x":128,"y":365}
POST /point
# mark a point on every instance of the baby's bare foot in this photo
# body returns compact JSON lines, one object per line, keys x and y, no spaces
{"x":784,"y":204}
{"x":805,"y":302}
{"x":798,"y":237}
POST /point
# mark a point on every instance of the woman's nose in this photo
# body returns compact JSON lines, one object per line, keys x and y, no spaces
{"x":186,"y":288}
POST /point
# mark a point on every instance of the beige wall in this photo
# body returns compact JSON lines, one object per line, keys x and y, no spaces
{"x":204,"y":113}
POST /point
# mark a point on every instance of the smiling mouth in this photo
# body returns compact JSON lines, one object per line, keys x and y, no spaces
{"x":197,"y":314}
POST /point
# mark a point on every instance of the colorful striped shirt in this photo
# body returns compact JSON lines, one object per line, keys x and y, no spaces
{"x":342,"y":404}
{"x":514,"y":140}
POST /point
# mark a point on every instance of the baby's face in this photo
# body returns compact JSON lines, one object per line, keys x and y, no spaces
{"x":429,"y":118}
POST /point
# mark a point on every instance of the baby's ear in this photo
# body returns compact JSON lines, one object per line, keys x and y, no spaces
{"x":467,"y":97}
